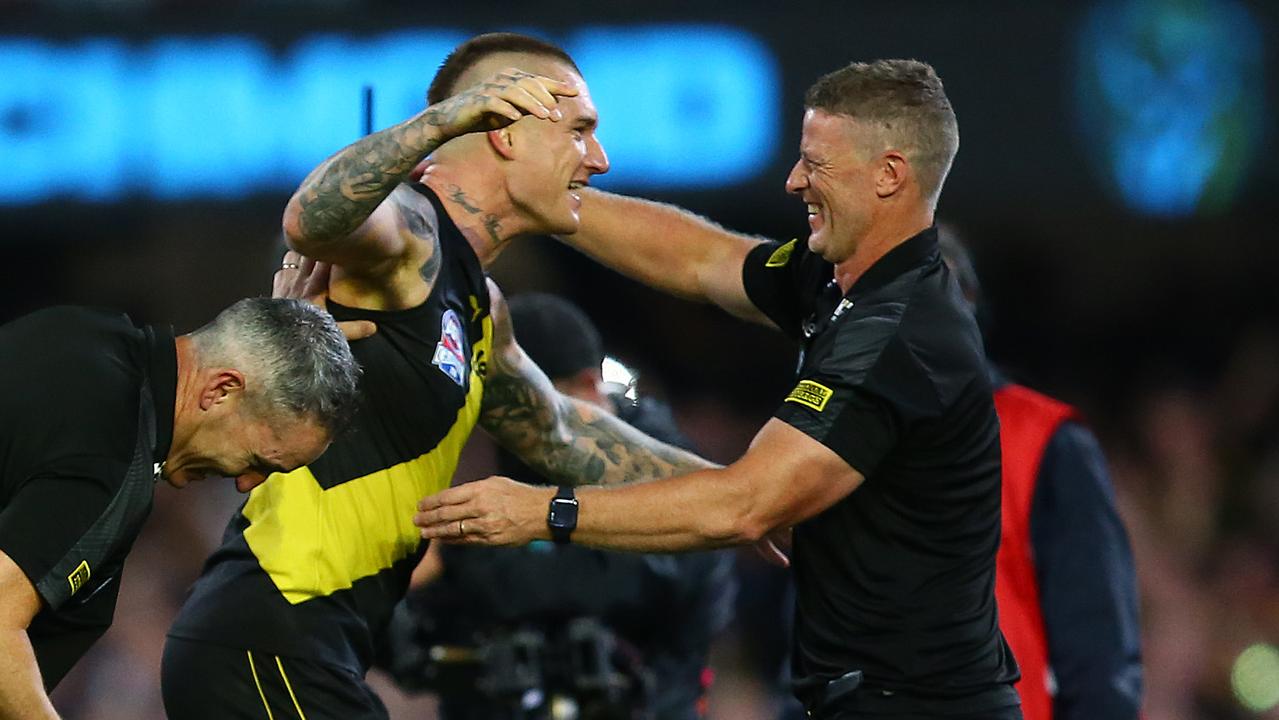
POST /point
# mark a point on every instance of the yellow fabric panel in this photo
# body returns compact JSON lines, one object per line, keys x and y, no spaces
{"x":314,"y":542}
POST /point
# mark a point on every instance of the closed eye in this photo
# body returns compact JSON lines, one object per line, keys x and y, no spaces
{"x":266,"y":467}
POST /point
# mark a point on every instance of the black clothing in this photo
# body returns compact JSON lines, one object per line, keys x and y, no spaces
{"x":1087,"y":582}
{"x":256,"y":685}
{"x":897,"y":579}
{"x":87,"y":415}
{"x":314,"y":562}
{"x":555,"y":334}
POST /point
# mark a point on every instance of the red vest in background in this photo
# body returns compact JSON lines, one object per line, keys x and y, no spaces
{"x":1027,"y":421}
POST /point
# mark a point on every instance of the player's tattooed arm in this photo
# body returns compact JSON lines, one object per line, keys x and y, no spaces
{"x":566,"y":440}
{"x":340,"y":195}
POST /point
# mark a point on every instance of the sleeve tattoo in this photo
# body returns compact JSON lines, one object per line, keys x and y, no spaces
{"x":341,"y":193}
{"x":344,"y":190}
{"x":564,"y":439}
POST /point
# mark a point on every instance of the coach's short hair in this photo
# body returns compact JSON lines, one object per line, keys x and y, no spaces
{"x":295,"y":359}
{"x":468,"y":54}
{"x":904,"y":101}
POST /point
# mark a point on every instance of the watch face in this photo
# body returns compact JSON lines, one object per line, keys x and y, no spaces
{"x":561,"y":518}
{"x":563,"y":513}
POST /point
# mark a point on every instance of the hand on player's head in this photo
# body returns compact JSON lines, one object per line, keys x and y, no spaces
{"x":498,"y":101}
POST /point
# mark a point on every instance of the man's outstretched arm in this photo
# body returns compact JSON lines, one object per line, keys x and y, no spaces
{"x":784,"y":478}
{"x":668,"y":248}
{"x":566,"y":440}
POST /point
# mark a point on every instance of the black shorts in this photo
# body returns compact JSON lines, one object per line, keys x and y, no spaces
{"x":201,"y":681}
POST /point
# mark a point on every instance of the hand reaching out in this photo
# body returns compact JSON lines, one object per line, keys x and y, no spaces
{"x":492,"y":511}
{"x":304,"y":278}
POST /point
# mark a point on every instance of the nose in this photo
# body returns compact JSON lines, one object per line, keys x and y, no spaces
{"x":249,"y":480}
{"x":797,"y":180}
{"x":596,"y":158}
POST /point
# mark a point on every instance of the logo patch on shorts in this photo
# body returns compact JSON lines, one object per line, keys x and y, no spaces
{"x":450,"y":352}
{"x":810,"y":394}
{"x":781,"y":255}
{"x":79,"y":576}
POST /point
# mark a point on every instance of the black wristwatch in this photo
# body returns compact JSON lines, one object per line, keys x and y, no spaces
{"x":562,"y":516}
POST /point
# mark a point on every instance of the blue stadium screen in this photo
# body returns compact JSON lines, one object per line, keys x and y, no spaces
{"x":228,"y":116}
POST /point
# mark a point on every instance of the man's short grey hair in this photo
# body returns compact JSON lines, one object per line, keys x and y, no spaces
{"x":295,"y":360}
{"x":903,"y":101}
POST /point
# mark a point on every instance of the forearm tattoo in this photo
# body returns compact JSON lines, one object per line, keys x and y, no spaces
{"x":570,"y":441}
{"x":342,"y":192}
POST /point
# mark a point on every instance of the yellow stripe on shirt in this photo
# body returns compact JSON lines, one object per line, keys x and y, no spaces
{"x":314,"y":541}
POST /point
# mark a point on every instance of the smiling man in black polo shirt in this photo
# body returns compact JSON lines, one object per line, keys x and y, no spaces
{"x":94,"y":411}
{"x":884,"y":458}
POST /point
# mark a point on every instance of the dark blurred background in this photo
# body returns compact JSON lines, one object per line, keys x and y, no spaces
{"x":1116,"y":182}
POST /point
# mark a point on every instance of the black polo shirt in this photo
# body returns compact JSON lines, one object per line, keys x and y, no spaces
{"x":87,"y":412}
{"x":897,"y":579}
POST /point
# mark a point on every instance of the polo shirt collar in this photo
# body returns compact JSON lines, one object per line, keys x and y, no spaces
{"x":162,"y":369}
{"x":897,"y":262}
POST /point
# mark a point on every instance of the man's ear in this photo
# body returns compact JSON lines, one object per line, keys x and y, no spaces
{"x":221,"y":385}
{"x":503,"y":142}
{"x":893,"y":172}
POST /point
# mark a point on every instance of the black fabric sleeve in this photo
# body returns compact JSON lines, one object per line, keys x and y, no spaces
{"x":1087,"y":582}
{"x":857,"y":425}
{"x":859,"y":396}
{"x":45,"y":526}
{"x":62,"y":638}
{"x":771,"y":276}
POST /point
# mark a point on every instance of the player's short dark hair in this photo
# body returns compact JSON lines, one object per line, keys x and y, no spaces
{"x":556,"y":334}
{"x":905,"y":101}
{"x":468,"y":54}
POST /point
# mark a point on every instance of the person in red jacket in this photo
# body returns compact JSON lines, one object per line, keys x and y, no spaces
{"x":1064,"y":578}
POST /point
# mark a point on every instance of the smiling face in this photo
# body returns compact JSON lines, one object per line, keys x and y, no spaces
{"x":835,"y":177}
{"x":236,"y":445}
{"x":551,"y":161}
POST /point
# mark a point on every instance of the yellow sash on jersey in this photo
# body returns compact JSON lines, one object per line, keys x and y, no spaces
{"x":314,"y":542}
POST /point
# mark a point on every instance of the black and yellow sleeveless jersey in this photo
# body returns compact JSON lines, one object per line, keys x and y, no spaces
{"x":315,"y":560}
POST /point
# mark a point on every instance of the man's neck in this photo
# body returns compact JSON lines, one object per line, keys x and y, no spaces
{"x":481,"y":211}
{"x":187,"y":399}
{"x":877,"y":243}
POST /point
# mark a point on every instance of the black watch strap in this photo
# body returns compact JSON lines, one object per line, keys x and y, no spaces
{"x":561,"y":517}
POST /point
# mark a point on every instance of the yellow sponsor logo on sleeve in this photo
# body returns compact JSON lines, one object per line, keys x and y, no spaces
{"x":79,"y":576}
{"x":781,"y":255}
{"x":810,"y":394}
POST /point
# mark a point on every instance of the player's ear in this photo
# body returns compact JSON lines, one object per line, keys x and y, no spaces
{"x":502,"y":142}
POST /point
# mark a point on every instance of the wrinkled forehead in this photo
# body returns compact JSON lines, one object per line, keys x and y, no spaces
{"x":538,"y":65}
{"x":832,"y":132}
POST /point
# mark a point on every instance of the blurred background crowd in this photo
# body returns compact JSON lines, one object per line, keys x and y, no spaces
{"x":1115,"y":181}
